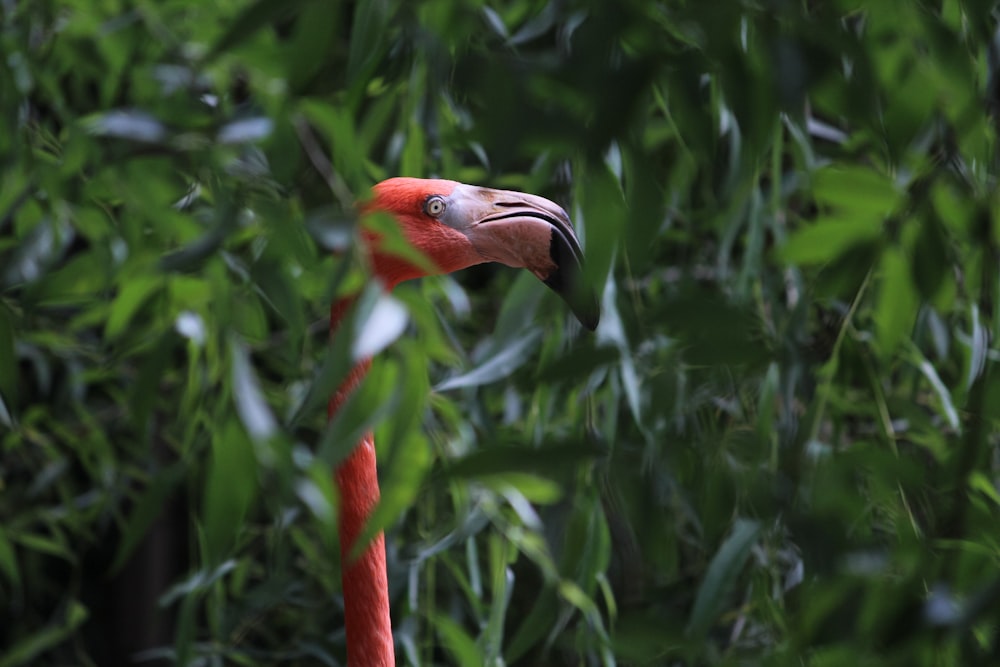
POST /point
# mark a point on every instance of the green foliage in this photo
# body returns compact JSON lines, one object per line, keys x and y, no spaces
{"x":779,"y":448}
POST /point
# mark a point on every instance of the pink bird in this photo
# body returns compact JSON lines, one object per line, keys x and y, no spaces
{"x":454,"y":226}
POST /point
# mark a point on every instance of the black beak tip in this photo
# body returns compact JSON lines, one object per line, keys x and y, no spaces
{"x":567,"y":279}
{"x":591,"y":318}
{"x":581,"y":299}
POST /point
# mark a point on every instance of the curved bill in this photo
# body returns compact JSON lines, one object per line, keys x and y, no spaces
{"x":528,"y":231}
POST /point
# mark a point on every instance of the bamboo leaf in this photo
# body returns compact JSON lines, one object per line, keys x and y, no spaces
{"x":720,"y":578}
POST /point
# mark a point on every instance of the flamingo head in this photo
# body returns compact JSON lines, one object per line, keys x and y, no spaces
{"x":454,"y":225}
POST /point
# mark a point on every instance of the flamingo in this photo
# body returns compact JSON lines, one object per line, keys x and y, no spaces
{"x":454,"y":226}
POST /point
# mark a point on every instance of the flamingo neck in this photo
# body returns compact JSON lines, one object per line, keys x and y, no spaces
{"x":364,"y":579}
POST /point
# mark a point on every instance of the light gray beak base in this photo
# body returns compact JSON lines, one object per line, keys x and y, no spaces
{"x":523,"y":230}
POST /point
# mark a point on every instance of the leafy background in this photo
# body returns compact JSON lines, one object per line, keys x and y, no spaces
{"x":779,"y":448}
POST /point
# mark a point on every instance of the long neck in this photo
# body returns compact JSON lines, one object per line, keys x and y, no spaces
{"x":364,"y":580}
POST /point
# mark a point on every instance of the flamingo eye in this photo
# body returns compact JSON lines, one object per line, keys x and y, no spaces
{"x":434,"y":206}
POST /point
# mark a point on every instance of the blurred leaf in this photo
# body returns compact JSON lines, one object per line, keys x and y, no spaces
{"x":148,"y":508}
{"x":611,"y":330}
{"x":6,"y":418}
{"x":147,"y":387}
{"x":246,"y":130}
{"x":368,"y":34}
{"x":8,"y":358}
{"x":229,"y":489}
{"x":978,"y":347}
{"x":928,"y":371}
{"x":43,"y":545}
{"x":255,"y":17}
{"x":713,"y":329}
{"x":898,"y":302}
{"x":537,"y":26}
{"x":409,"y":454}
{"x":495,"y":22}
{"x":319,"y":495}
{"x":332,"y":233}
{"x":501,"y":588}
{"x":8,"y":561}
{"x":859,"y":191}
{"x":410,"y":462}
{"x":604,"y":210}
{"x":337,"y":125}
{"x":251,"y":405}
{"x":496,"y":367}
{"x":534,"y":626}
{"x":535,"y":488}
{"x":128,"y":124}
{"x":520,"y":305}
{"x":392,"y":242}
{"x":459,"y":644}
{"x":578,"y":362}
{"x":828,"y":239}
{"x":717,"y":586}
{"x":647,"y":213}
{"x":28,"y":648}
{"x":197,"y":582}
{"x":380,"y":326}
{"x":367,"y":404}
{"x":133,"y":294}
{"x":414,"y":153}
{"x":36,"y":250}
{"x":501,"y":460}
{"x":930,"y":260}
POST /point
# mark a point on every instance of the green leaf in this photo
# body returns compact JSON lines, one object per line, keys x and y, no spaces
{"x":535,"y":488}
{"x":337,"y":125}
{"x":534,"y":626}
{"x":333,"y":369}
{"x":8,"y":560}
{"x":43,"y":545}
{"x":366,"y":405}
{"x":409,"y":464}
{"x":947,"y":405}
{"x":501,"y":585}
{"x":132,"y":295}
{"x":498,"y":366}
{"x":257,"y":16}
{"x":251,"y":405}
{"x":368,"y":36}
{"x":898,"y":302}
{"x":829,"y":238}
{"x":857,"y":191}
{"x":716,"y":588}
{"x":714,"y":329}
{"x":230,"y":487}
{"x":8,"y":357}
{"x":200,"y":581}
{"x":520,"y":305}
{"x":147,"y":388}
{"x":500,"y":460}
{"x":147,"y":509}
{"x":27,"y":649}
{"x":603,"y":207}
{"x":383,"y":324}
{"x":457,"y":642}
{"x":414,"y":153}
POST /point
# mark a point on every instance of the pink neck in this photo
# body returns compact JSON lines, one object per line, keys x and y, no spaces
{"x":364,"y":580}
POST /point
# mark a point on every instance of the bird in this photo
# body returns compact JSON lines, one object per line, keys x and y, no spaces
{"x":453,"y":226}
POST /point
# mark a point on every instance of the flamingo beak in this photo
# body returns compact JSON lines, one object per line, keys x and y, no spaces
{"x":526,"y":231}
